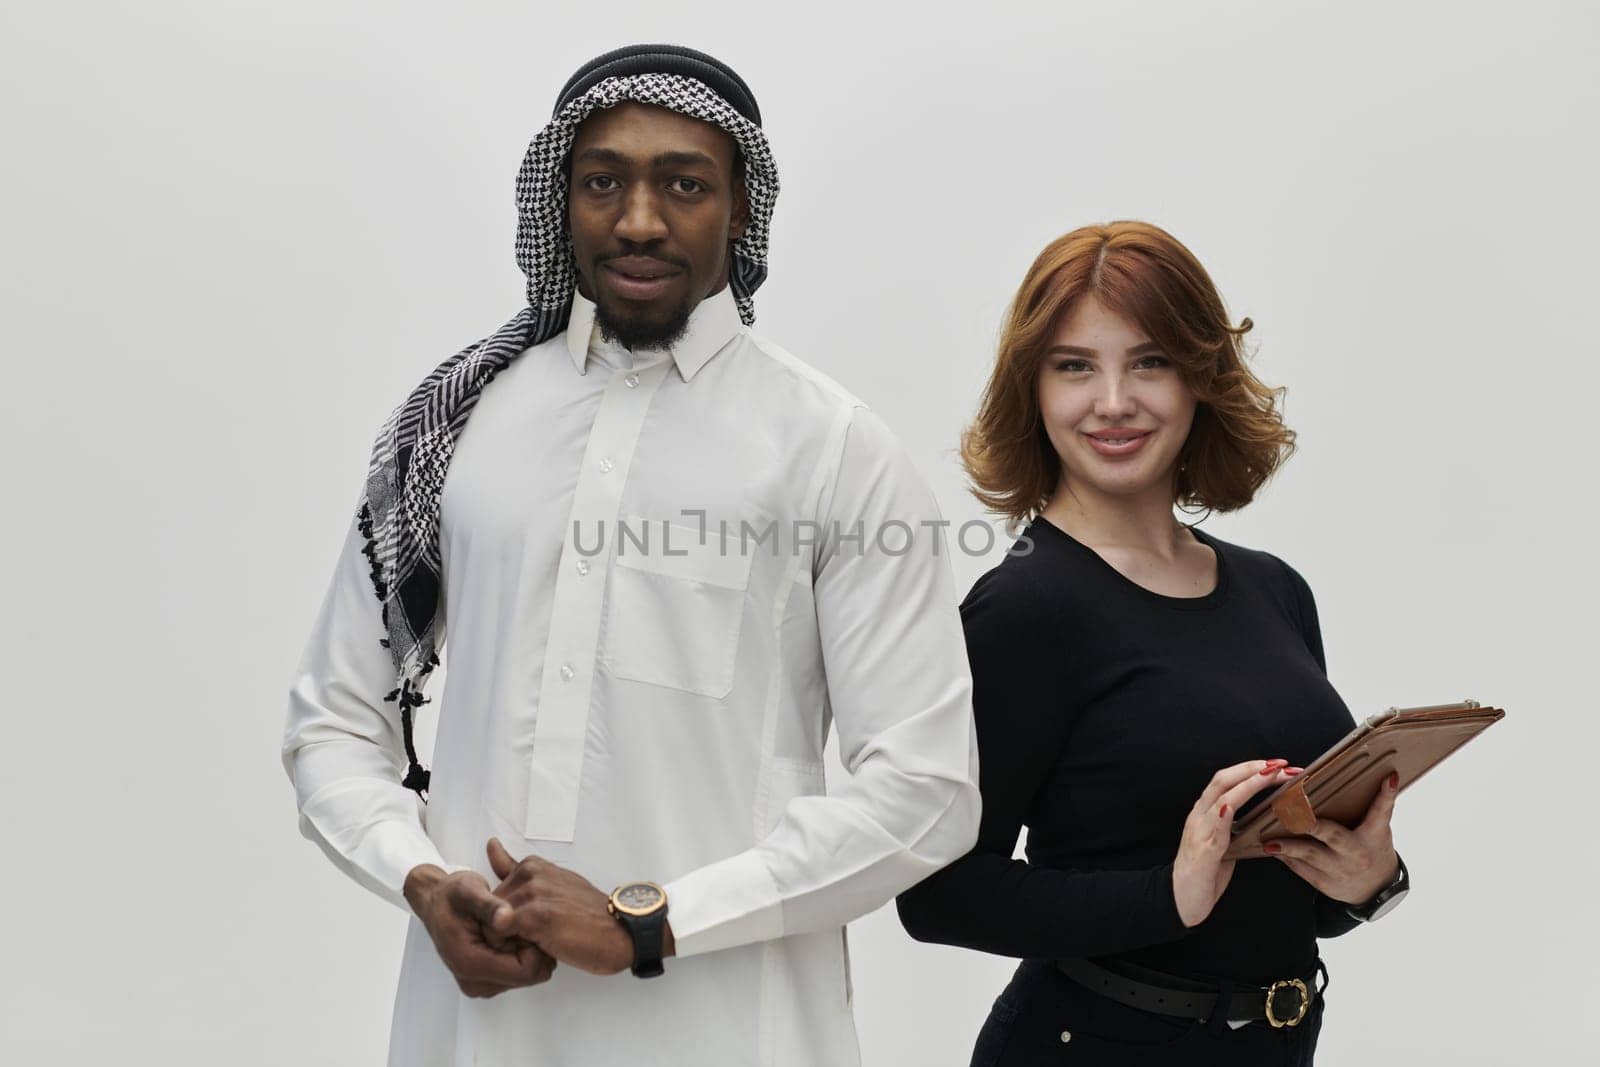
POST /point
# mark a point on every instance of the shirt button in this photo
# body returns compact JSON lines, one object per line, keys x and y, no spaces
{"x":605,"y":466}
{"x":632,"y":381}
{"x":583,"y":567}
{"x":567,"y":672}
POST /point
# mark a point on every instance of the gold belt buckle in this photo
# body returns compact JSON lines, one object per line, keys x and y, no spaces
{"x":1305,"y":1003}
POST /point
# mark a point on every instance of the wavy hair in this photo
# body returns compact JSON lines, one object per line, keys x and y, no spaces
{"x":1141,"y":272}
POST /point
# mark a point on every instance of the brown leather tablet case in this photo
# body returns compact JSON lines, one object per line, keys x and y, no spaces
{"x":1344,"y":781}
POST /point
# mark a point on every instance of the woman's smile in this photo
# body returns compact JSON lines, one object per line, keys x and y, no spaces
{"x":1116,"y":443}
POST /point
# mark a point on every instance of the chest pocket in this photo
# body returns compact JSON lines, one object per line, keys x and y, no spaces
{"x":673,"y":619}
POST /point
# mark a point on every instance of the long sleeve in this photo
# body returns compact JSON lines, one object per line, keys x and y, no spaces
{"x":900,"y":694}
{"x":1333,"y":919}
{"x":986,"y":900}
{"x":342,"y":746}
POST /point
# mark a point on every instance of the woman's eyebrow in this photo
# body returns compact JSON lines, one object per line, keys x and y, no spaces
{"x":1076,"y":350}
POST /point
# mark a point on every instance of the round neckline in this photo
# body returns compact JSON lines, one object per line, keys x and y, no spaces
{"x":1217,"y":594}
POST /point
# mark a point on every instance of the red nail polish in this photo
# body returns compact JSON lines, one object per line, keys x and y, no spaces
{"x":1394,"y":780}
{"x":1224,"y":811}
{"x":1292,"y":771}
{"x":1272,"y":848}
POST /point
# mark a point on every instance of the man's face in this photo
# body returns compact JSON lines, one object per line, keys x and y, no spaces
{"x":653,"y":204}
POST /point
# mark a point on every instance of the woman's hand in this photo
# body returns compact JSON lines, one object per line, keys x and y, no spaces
{"x":1200,"y":874}
{"x":1351,"y":866}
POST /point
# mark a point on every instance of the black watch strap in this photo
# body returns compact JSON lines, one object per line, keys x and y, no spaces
{"x":1371,"y":909}
{"x":647,"y":932}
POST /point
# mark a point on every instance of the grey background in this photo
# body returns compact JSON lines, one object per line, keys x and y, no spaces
{"x":235,"y":233}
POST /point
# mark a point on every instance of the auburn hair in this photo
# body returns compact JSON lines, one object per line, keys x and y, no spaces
{"x":1148,"y":277}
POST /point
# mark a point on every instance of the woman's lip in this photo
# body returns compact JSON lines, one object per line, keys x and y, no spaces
{"x":638,"y":288}
{"x":1126,"y":446}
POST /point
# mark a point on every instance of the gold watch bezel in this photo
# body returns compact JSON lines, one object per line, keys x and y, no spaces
{"x":615,"y":905}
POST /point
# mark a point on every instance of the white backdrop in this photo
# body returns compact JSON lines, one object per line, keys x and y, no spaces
{"x":235,"y":233}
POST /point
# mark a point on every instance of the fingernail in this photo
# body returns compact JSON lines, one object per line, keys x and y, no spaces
{"x":1292,"y":771}
{"x":1224,"y":811}
{"x":1272,"y":848}
{"x":1394,"y":780}
{"x":1274,"y":765}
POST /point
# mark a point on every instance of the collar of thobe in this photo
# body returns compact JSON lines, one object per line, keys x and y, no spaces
{"x":712,"y":324}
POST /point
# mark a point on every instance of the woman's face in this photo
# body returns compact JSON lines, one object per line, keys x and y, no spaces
{"x":1113,"y":404}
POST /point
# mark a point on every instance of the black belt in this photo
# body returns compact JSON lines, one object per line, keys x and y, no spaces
{"x":1281,"y":1004}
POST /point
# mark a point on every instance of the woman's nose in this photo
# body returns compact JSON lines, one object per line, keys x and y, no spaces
{"x":1115,"y":399}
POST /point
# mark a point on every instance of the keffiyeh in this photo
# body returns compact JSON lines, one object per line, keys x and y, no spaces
{"x":399,"y":516}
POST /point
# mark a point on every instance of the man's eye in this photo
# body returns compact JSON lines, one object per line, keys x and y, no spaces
{"x":686,"y":185}
{"x":601,"y":183}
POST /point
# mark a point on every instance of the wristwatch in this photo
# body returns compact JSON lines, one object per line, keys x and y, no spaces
{"x":642,"y":908}
{"x":1387,"y":900}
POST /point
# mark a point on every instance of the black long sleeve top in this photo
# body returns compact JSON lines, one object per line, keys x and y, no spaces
{"x":1102,"y":711}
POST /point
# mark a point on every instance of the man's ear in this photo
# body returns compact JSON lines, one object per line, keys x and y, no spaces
{"x":740,"y":219}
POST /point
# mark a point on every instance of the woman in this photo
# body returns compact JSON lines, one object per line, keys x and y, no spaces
{"x":1136,"y":683}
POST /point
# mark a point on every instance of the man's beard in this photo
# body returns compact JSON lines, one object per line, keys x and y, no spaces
{"x":638,"y":334}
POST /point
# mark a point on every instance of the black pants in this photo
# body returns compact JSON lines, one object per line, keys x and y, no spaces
{"x":1044,"y":1017}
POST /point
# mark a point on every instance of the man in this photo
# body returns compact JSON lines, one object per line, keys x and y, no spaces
{"x":669,"y":554}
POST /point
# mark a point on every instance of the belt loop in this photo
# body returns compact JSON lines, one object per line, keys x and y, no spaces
{"x":1218,"y":1022}
{"x":1322,"y":969}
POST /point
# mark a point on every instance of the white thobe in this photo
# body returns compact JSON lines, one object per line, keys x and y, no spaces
{"x":663,"y":579}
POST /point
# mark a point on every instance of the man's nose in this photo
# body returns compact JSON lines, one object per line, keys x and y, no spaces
{"x":641,"y":220}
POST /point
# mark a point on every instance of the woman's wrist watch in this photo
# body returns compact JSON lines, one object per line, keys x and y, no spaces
{"x":1388,"y":898}
{"x":641,"y":907}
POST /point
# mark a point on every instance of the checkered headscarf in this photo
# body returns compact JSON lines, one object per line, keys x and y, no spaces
{"x":400,"y":515}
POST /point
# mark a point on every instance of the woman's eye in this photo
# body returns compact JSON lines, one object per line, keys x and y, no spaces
{"x":1072,"y":366}
{"x":1153,"y":362}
